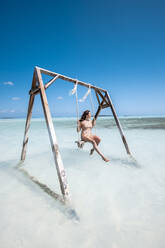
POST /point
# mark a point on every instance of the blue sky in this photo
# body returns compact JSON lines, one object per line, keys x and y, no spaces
{"x":117,"y":45}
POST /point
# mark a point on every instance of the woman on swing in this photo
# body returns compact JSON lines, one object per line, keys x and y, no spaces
{"x":86,"y":124}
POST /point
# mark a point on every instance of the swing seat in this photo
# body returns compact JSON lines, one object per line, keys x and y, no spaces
{"x":80,"y":143}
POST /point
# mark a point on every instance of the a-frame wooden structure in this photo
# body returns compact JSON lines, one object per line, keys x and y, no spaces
{"x":38,"y":87}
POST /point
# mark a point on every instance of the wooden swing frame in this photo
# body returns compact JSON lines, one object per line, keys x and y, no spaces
{"x":38,"y":87}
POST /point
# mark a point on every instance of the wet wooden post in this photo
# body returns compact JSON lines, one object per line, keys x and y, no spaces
{"x":53,"y":140}
{"x":118,"y":124}
{"x":28,"y":119}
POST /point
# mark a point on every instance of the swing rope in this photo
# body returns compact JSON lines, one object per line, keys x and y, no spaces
{"x":80,"y":143}
{"x":93,"y":108}
{"x":74,"y":91}
{"x":77,"y":108}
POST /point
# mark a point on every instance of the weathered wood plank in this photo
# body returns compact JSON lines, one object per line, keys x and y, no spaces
{"x":99,"y":109}
{"x":104,"y":103}
{"x":118,"y":124}
{"x":53,"y":140}
{"x":37,"y":90}
{"x":105,"y":106}
{"x":50,"y":73}
{"x":103,"y":97}
{"x":51,"y":81}
{"x":97,"y":97}
{"x":28,"y":119}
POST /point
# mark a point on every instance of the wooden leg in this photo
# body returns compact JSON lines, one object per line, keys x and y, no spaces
{"x":118,"y":125}
{"x":100,"y":104}
{"x":27,"y":125}
{"x":53,"y":140}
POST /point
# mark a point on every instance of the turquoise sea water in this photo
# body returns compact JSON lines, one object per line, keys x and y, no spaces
{"x":120,"y":204}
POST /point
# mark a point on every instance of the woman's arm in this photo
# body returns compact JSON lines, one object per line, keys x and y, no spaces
{"x":78,"y":126}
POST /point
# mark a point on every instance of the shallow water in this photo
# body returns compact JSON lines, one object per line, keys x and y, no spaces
{"x":120,"y":204}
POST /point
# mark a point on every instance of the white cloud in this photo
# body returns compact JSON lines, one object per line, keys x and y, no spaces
{"x":7,"y":111}
{"x":8,"y":83}
{"x":15,"y":98}
{"x":3,"y":111}
{"x":59,"y":97}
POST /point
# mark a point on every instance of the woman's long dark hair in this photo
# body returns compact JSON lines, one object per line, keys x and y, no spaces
{"x":83,"y":117}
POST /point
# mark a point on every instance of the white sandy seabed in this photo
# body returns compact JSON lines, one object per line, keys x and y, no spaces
{"x":120,"y":204}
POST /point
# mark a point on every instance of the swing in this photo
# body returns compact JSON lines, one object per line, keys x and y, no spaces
{"x":80,"y":143}
{"x":38,"y":87}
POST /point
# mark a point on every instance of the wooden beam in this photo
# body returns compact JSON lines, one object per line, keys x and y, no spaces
{"x":99,"y":109}
{"x":28,"y":119}
{"x":34,"y":91}
{"x":53,"y":140}
{"x":27,"y":126}
{"x":105,"y":106}
{"x":97,"y":112}
{"x":118,"y":124}
{"x":50,"y":73}
{"x":104,"y":103}
{"x":103,"y":97}
{"x":51,"y":81}
{"x":97,"y":97}
{"x":37,"y":90}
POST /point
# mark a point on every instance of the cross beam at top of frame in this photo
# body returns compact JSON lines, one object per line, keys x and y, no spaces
{"x":60,"y":76}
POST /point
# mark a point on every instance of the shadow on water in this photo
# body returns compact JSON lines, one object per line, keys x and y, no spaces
{"x":74,"y":155}
{"x":130,"y":162}
{"x":16,"y":170}
{"x":65,"y":208}
{"x":70,"y":156}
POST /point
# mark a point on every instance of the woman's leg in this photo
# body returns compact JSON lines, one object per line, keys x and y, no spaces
{"x":97,"y":140}
{"x":88,"y":139}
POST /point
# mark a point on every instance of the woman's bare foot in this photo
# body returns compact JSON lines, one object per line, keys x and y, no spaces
{"x":105,"y":159}
{"x":92,"y":150}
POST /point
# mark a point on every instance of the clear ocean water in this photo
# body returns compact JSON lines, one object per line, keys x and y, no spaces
{"x":120,"y":204}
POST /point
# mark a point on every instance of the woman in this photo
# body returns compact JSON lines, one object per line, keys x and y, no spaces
{"x":86,"y":124}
